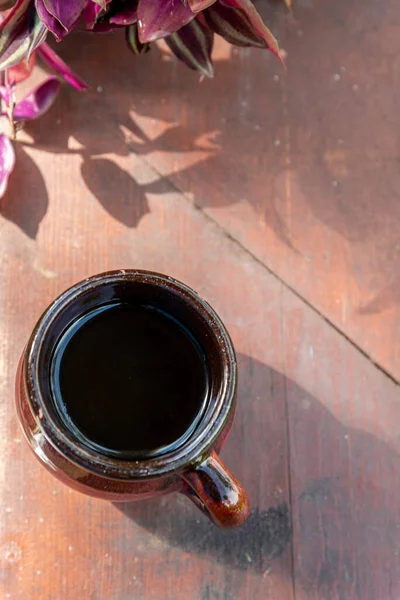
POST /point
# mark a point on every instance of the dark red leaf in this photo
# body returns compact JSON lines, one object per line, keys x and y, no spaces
{"x":127,"y":15}
{"x":193,"y":45}
{"x":67,"y":12}
{"x":233,"y":25}
{"x":51,"y":22}
{"x":92,"y":12}
{"x":157,"y":19}
{"x":256,"y":22}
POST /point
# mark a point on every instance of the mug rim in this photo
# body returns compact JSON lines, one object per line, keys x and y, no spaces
{"x":199,"y":444}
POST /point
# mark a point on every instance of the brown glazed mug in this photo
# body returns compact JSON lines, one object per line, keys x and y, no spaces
{"x":193,"y":468}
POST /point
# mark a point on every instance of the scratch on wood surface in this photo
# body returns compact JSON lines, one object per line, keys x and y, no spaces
{"x":47,"y":273}
{"x":344,"y":308}
{"x":287,"y":157}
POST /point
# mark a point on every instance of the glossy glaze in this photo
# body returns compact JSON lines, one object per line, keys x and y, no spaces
{"x":194,"y":468}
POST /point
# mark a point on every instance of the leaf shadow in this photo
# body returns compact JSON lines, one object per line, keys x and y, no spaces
{"x":383,"y":300}
{"x":26,"y":200}
{"x":118,"y":193}
{"x":109,"y":119}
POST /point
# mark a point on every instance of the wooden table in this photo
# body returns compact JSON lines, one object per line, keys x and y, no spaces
{"x":274,"y":195}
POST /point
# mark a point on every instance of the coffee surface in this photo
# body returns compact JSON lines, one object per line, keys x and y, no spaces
{"x":129,"y":380}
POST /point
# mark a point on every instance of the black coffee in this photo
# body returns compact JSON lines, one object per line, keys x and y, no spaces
{"x":129,"y":380}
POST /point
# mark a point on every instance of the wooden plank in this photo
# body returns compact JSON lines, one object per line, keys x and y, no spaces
{"x":344,"y":490}
{"x":57,"y":543}
{"x":301,"y":167}
{"x":344,"y":464}
{"x":83,"y":202}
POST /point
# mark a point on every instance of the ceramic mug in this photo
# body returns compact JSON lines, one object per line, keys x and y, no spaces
{"x":194,"y":468}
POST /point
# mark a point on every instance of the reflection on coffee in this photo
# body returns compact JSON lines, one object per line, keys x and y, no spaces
{"x":129,"y":380}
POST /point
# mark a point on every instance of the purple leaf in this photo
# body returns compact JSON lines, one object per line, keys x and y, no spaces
{"x":197,"y":6}
{"x":67,"y":12}
{"x":193,"y":45}
{"x":51,"y":22}
{"x":157,"y":19}
{"x":7,"y":162}
{"x":233,"y":25}
{"x":105,"y":27}
{"x":20,"y":33}
{"x":256,"y":22}
{"x":127,"y":15}
{"x":57,"y":64}
{"x":91,"y":13}
{"x":97,"y":19}
{"x":38,"y":101}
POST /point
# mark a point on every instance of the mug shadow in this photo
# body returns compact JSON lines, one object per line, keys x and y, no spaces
{"x":268,"y":531}
{"x":333,"y":505}
{"x":264,"y":536}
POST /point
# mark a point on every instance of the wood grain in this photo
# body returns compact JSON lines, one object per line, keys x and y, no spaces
{"x":300,"y":166}
{"x":57,"y":543}
{"x":315,"y":441}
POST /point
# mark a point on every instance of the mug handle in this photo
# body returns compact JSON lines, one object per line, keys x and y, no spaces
{"x":218,"y":494}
